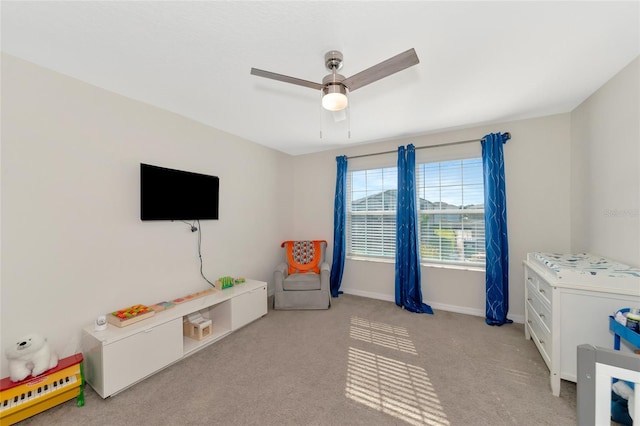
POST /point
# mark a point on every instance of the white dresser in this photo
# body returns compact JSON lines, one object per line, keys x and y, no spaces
{"x":568,"y":300}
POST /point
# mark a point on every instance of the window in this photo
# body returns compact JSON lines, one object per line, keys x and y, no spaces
{"x":451,"y":211}
{"x":371,"y":212}
{"x":450,"y":197}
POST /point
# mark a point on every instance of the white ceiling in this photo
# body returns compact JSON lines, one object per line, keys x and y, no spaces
{"x":480,"y":62}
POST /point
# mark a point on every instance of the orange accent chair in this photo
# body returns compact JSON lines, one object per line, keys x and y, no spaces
{"x":302,"y":280}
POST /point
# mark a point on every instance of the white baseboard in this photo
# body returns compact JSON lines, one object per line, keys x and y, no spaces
{"x":518,"y":319}
{"x":370,"y":295}
{"x":441,"y":306}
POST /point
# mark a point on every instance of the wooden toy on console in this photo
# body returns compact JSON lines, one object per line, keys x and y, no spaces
{"x":225,"y":282}
{"x":193,"y":296}
{"x":162,"y":306}
{"x":130,"y":315}
{"x":196,"y":326}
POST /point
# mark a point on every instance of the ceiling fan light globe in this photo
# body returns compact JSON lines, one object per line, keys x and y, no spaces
{"x":334,"y":95}
{"x":335,"y":101}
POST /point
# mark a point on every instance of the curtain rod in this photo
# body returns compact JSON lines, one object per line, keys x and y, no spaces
{"x":507,"y":134}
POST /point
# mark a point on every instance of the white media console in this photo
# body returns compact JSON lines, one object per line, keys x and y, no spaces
{"x":117,"y":358}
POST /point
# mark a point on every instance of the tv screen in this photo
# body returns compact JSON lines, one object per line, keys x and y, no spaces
{"x":168,"y":194}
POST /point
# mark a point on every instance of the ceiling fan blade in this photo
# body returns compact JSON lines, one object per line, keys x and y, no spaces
{"x":381,"y":70}
{"x":286,"y":79}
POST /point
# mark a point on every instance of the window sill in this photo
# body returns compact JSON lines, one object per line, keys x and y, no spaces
{"x":458,"y":267}
{"x":371,"y":259}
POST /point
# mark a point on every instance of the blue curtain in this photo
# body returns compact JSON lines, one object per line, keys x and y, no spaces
{"x":495,"y":223}
{"x":339,"y":221}
{"x":408,"y":291}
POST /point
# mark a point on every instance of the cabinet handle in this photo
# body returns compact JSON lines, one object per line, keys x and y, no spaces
{"x":542,"y":341}
{"x":529,"y":299}
{"x":541,"y":290}
{"x":529,"y":321}
{"x":541,"y":315}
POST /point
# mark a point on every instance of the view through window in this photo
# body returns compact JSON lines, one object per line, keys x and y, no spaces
{"x":450,"y":198}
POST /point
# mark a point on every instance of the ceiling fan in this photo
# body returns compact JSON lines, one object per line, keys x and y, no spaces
{"x":335,"y":86}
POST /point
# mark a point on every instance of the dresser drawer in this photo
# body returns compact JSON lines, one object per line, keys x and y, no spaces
{"x":541,"y":336}
{"x":544,"y":288}
{"x":541,"y":286}
{"x":536,"y":304}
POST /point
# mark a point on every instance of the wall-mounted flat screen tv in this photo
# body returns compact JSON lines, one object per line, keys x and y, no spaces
{"x":168,"y":194}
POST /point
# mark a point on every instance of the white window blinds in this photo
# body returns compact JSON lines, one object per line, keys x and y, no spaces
{"x":450,"y":203}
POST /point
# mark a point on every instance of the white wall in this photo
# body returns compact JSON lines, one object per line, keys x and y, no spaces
{"x":73,"y":246}
{"x":537,"y":181}
{"x":605,"y":163}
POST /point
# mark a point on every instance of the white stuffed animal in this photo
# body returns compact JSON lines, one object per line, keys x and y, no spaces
{"x":627,"y":392}
{"x":30,"y":356}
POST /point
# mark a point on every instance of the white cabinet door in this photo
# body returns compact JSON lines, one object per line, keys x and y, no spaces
{"x":585,"y":319}
{"x":129,"y":360}
{"x":248,"y":307}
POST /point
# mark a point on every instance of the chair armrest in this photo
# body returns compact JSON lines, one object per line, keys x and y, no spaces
{"x":325,"y":275}
{"x":281,"y":272}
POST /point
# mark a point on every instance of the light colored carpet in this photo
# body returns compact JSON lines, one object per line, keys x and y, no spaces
{"x":362,"y":362}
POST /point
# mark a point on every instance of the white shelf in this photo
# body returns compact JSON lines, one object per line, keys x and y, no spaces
{"x":112,"y":366}
{"x":220,"y":316}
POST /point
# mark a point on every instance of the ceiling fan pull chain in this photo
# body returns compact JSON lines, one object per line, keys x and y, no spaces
{"x":349,"y":121}
{"x":321,"y":116}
